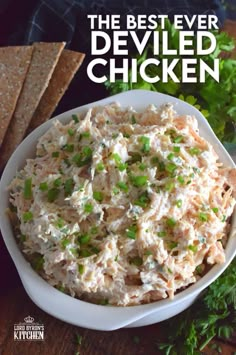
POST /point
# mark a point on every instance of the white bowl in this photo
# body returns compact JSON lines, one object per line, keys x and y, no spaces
{"x":85,"y":314}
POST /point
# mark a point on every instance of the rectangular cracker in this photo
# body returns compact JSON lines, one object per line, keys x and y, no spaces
{"x":68,"y":64}
{"x":14,"y":64}
{"x":44,"y":59}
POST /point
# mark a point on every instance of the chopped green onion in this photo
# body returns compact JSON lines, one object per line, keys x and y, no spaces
{"x":122,"y":166}
{"x":193,"y":248}
{"x":136,"y":261}
{"x":223,"y":219}
{"x":116,"y":157}
{"x":94,"y":230}
{"x":81,"y":269}
{"x":38,"y":262}
{"x":171,"y":222}
{"x":75,"y":118}
{"x":122,"y":186}
{"x":169,"y":186}
{"x":77,"y":159}
{"x":28,"y":189}
{"x":154,"y":161}
{"x":85,"y":253}
{"x":143,"y":200}
{"x":142,"y":166}
{"x":170,"y":156}
{"x":180,"y":180}
{"x":74,"y":251}
{"x":146,"y":144}
{"x":126,"y":135}
{"x":71,"y":132}
{"x":85,"y":134}
{"x":87,"y":151}
{"x":203,"y":217}
{"x":95,"y":250}
{"x":161,"y":234}
{"x":179,"y":203}
{"x":69,"y":186}
{"x":131,"y":232}
{"x":194,"y":151}
{"x":199,"y":269}
{"x":60,"y":223}
{"x":133,"y":119}
{"x":215,"y":209}
{"x":55,"y":154}
{"x":115,"y":135}
{"x":88,"y":208}
{"x":172,"y":245}
{"x":27,"y":216}
{"x":139,"y":181}
{"x":43,"y":186}
{"x":170,"y":167}
{"x":98,"y":196}
{"x":178,"y":139}
{"x":161,"y":166}
{"x":57,"y":182}
{"x":84,"y":239}
{"x":65,"y":243}
{"x":69,"y":148}
{"x":100,"y":167}
{"x":115,"y":191}
{"x":67,"y":162}
{"x":53,"y":194}
{"x":176,"y":149}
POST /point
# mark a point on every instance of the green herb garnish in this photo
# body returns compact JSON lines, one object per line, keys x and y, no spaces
{"x":98,"y":196}
{"x":136,"y":261}
{"x":203,"y":217}
{"x":53,"y":194}
{"x":171,"y":222}
{"x":28,"y":189}
{"x":146,"y":144}
{"x":55,"y":154}
{"x":131,"y":232}
{"x":81,"y":269}
{"x":69,"y":186}
{"x":122,"y":186}
{"x":143,"y":200}
{"x":75,"y":118}
{"x":139,"y":181}
{"x":27,"y":216}
{"x":71,"y":132}
{"x":43,"y":186}
{"x":88,"y":208}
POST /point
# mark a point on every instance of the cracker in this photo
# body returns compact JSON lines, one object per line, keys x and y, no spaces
{"x":44,"y":59}
{"x":14,"y":63}
{"x":68,"y":64}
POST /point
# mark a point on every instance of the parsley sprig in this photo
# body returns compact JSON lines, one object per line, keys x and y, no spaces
{"x":217,"y":101}
{"x":213,"y":315}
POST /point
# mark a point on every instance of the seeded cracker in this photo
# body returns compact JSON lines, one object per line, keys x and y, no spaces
{"x":14,"y":63}
{"x":44,"y":59}
{"x":64,"y":72}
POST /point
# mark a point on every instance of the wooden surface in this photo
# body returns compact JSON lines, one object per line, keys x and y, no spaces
{"x":60,"y":338}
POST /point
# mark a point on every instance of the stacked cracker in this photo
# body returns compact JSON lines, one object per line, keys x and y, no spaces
{"x":33,"y":79}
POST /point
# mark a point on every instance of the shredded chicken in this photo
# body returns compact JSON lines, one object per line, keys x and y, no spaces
{"x":122,"y":207}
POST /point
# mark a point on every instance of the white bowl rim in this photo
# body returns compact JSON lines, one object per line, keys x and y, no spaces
{"x":94,"y":316}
